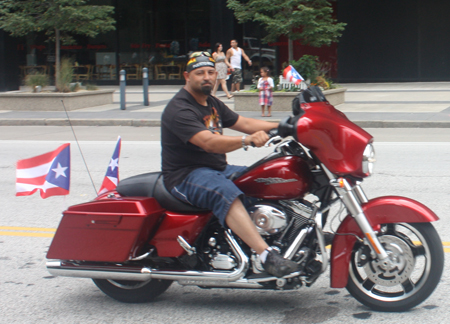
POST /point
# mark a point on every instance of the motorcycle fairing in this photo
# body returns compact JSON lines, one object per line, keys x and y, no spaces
{"x":381,"y":210}
{"x":335,"y":140}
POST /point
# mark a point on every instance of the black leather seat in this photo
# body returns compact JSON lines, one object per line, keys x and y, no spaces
{"x":152,"y":185}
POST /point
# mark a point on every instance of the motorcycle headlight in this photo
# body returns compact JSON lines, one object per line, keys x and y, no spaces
{"x":368,"y":159}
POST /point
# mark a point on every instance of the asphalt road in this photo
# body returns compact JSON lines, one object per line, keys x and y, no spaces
{"x":412,"y":163}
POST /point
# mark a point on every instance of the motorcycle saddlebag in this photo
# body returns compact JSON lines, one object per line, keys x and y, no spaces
{"x":110,"y":230}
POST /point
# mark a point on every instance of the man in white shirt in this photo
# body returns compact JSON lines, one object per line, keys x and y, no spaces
{"x":234,"y":56}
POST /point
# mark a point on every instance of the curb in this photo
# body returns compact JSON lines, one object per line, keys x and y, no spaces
{"x":402,"y":124}
{"x":81,"y":122}
{"x":157,"y":123}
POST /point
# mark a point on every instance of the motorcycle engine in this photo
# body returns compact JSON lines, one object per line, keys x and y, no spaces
{"x":273,"y":221}
{"x":290,"y":216}
{"x":269,"y":220}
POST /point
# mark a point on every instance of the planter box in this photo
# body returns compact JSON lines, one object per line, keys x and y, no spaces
{"x":51,"y":101}
{"x":282,"y":101}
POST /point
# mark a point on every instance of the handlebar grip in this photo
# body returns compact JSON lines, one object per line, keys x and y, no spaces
{"x":273,"y":132}
{"x":285,"y":128}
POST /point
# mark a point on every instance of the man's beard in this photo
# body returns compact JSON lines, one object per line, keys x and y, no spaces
{"x":206,"y":89}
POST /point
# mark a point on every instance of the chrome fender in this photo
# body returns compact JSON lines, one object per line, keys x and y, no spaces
{"x":381,"y":210}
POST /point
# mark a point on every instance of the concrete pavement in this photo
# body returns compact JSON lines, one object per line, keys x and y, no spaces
{"x":409,"y":105}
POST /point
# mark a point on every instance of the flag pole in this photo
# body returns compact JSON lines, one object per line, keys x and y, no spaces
{"x":79,"y":148}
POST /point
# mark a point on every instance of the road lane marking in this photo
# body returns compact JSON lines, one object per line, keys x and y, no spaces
{"x":26,"y":231}
{"x":16,"y":228}
{"x":446,"y":247}
{"x":26,"y":234}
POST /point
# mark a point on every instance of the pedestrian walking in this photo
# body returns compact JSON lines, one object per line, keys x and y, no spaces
{"x":234,"y":56}
{"x":265,"y":86}
{"x":222,"y":66}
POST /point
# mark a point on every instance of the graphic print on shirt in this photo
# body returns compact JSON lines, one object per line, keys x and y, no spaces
{"x":213,"y":122}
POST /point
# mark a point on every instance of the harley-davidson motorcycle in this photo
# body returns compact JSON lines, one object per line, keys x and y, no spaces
{"x":138,"y":239}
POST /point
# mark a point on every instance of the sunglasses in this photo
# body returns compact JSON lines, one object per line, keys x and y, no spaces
{"x":197,"y":54}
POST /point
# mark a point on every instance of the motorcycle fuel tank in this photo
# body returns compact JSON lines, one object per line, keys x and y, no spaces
{"x":286,"y":177}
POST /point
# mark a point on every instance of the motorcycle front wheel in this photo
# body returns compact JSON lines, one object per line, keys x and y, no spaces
{"x":417,"y":258}
{"x":128,"y":291}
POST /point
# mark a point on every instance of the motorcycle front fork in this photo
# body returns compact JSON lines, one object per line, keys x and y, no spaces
{"x":353,"y":198}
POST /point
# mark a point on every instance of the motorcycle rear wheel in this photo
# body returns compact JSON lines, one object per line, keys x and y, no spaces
{"x":128,"y":291}
{"x":417,"y":255}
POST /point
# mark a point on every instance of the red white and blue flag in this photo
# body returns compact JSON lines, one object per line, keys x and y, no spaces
{"x":112,"y":173}
{"x":48,"y":173}
{"x":292,"y":75}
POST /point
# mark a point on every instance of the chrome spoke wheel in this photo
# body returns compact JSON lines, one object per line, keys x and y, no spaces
{"x":401,"y":268}
{"x":416,"y":258}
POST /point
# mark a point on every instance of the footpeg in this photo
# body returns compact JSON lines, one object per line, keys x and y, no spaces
{"x":186,"y":246}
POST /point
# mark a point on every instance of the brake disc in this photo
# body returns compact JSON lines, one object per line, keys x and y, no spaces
{"x":402,"y":263}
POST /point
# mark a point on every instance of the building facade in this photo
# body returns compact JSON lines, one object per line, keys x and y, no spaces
{"x":384,"y":41}
{"x":394,"y":41}
{"x":155,"y":34}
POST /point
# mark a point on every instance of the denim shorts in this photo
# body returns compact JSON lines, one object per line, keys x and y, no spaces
{"x":210,"y":189}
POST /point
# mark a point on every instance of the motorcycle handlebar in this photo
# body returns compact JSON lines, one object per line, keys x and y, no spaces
{"x":273,"y":140}
{"x":285,"y":128}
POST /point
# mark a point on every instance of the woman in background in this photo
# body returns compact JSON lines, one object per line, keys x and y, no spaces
{"x":221,"y":67}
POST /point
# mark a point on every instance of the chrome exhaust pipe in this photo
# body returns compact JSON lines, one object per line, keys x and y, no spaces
{"x":110,"y":272}
{"x":140,"y":273}
{"x":95,"y":271}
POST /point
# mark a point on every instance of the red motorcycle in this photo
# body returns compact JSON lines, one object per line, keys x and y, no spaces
{"x":135,"y":241}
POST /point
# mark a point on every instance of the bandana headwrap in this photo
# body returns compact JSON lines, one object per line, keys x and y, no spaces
{"x":198,"y":60}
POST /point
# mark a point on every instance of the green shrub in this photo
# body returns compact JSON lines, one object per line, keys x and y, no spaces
{"x":37,"y":79}
{"x":74,"y":87}
{"x":307,"y":66}
{"x":90,"y":86}
{"x":318,"y":73}
{"x":65,"y":75}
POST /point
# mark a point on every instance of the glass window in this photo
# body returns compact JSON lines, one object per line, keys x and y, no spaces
{"x":154,"y":34}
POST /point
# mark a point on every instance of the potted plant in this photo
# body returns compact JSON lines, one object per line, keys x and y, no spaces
{"x":311,"y":69}
{"x":37,"y":81}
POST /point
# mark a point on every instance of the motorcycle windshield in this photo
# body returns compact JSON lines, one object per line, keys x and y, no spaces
{"x":330,"y":135}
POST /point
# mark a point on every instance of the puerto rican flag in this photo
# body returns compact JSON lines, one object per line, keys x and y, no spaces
{"x":292,"y":75}
{"x":48,"y":173}
{"x":112,"y":173}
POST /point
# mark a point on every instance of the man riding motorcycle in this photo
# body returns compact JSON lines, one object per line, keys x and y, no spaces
{"x":194,"y":162}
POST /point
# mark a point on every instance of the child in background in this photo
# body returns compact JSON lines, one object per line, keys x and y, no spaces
{"x":265,"y":86}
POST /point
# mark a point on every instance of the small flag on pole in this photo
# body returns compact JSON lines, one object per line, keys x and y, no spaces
{"x":49,"y":173}
{"x":112,"y":173}
{"x":292,"y":75}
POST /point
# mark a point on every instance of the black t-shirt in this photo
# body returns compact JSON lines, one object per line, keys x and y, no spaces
{"x":182,"y":118}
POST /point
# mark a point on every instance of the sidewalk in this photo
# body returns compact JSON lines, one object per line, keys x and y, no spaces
{"x":408,"y":105}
